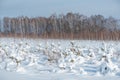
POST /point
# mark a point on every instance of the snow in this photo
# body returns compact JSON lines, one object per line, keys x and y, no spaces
{"x":47,"y":76}
{"x":49,"y":59}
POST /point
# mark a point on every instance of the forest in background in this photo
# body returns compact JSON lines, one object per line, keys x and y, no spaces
{"x":69,"y":26}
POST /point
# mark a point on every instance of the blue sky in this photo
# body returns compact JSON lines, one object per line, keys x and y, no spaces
{"x":32,"y":8}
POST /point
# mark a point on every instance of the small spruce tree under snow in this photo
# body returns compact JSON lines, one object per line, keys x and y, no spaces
{"x":106,"y":64}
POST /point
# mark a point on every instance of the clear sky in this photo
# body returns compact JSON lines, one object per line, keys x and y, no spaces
{"x":32,"y":8}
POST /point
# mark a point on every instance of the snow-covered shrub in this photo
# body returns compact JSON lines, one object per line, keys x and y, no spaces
{"x":72,"y":58}
{"x":106,"y":60}
{"x":53,"y":52}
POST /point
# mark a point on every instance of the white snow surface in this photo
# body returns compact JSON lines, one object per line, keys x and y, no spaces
{"x":54,"y":59}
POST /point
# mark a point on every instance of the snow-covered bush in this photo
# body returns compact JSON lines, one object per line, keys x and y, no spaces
{"x":106,"y":60}
{"x":72,"y":58}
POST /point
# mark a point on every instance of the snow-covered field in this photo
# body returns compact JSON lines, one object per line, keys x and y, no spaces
{"x":49,"y":59}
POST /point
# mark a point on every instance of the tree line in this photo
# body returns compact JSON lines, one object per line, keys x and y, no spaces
{"x":69,"y":26}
